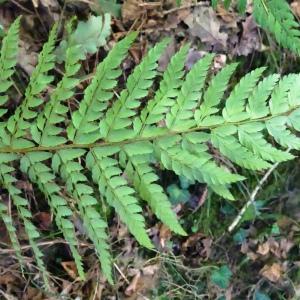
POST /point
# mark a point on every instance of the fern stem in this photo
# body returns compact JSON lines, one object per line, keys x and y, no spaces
{"x":139,"y":139}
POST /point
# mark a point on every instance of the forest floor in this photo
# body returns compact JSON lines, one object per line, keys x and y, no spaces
{"x":227,"y":255}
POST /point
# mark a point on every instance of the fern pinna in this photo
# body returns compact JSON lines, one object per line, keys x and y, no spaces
{"x":113,"y":141}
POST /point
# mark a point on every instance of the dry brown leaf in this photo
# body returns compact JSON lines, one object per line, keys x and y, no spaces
{"x":203,"y":23}
{"x":295,"y":5}
{"x":70,"y":268}
{"x":250,"y":40}
{"x":285,"y":246}
{"x":33,"y":294}
{"x":44,"y":220}
{"x":131,"y":10}
{"x":27,"y":58}
{"x":263,"y":249}
{"x":164,"y":235}
{"x":150,"y":270}
{"x":133,"y":286}
{"x":273,"y":272}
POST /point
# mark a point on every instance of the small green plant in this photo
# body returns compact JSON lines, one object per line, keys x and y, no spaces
{"x":114,"y":138}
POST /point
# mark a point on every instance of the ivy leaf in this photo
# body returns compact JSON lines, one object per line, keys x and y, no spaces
{"x":89,"y":35}
{"x":261,"y":296}
{"x":110,"y":6}
{"x":177,"y":195}
{"x":221,"y":277}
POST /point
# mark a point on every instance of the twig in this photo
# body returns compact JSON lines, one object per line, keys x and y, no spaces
{"x":252,"y":198}
{"x":175,"y":9}
{"x":47,"y":243}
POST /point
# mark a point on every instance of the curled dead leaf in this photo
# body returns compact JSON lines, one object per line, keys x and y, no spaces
{"x":70,"y":268}
{"x":273,"y":272}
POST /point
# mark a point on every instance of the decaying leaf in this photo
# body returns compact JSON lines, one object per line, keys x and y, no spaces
{"x":131,"y":10}
{"x":250,"y":40}
{"x":273,"y":272}
{"x":89,"y":35}
{"x":204,"y":24}
{"x":70,"y":268}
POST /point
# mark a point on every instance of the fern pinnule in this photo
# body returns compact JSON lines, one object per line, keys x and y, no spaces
{"x":252,"y":138}
{"x":8,"y":60}
{"x":223,"y":138}
{"x":234,"y":110}
{"x":213,"y":95}
{"x":144,"y":179}
{"x":257,"y":106}
{"x":11,"y":229}
{"x":45,"y":132}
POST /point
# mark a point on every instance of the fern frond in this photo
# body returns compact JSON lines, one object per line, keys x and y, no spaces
{"x":19,"y":123}
{"x":276,"y":17}
{"x":39,"y":173}
{"x":64,"y":163}
{"x":8,"y":60}
{"x":119,"y":143}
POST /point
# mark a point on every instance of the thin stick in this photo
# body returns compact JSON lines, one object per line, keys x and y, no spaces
{"x":175,"y":9}
{"x":252,"y":198}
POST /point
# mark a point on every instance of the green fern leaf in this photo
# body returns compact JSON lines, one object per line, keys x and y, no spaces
{"x":43,"y":176}
{"x":64,"y":162}
{"x":276,"y":17}
{"x":19,"y":123}
{"x":164,"y":98}
{"x":234,"y":110}
{"x":85,"y":127}
{"x":118,"y":118}
{"x":118,"y":194}
{"x":213,"y":96}
{"x":179,"y":117}
{"x":8,"y":60}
